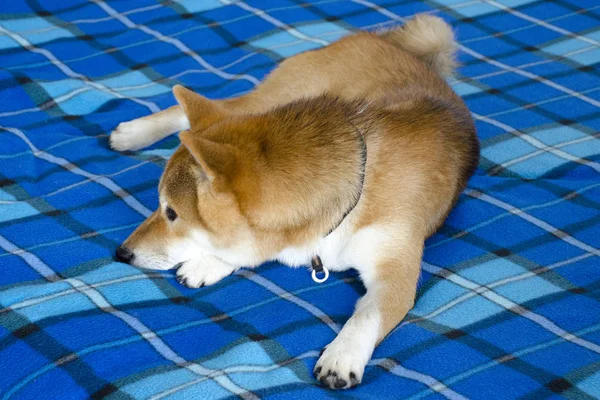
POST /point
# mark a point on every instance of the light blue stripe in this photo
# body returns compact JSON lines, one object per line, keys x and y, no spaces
{"x":160,"y":382}
{"x":205,"y":390}
{"x":557,"y":135}
{"x":450,"y":2}
{"x":164,"y":153}
{"x":248,"y":353}
{"x":587,"y":58}
{"x":5,"y":196}
{"x":9,"y":297}
{"x":464,"y":89}
{"x":591,"y":384}
{"x":248,"y":365}
{"x":6,"y":42}
{"x":194,"y":6}
{"x":61,"y":87}
{"x":148,"y":91}
{"x":296,"y":49}
{"x":523,"y":291}
{"x":35,"y":37}
{"x":127,"y":79}
{"x":507,"y":150}
{"x":15,"y":211}
{"x":440,"y":294}
{"x":63,"y":305}
{"x":516,"y":3}
{"x":468,"y":312}
{"x":108,"y":272}
{"x":323,"y":28}
{"x":537,"y":166}
{"x":26,"y":24}
{"x":566,"y":46}
{"x":584,"y":150}
{"x":273,"y":40}
{"x":86,"y":103}
{"x":260,"y":380}
{"x":492,"y":271}
{"x":126,"y":292}
{"x":476,"y":9}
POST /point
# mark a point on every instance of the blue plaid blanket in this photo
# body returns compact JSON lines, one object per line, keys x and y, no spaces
{"x":509,"y":302}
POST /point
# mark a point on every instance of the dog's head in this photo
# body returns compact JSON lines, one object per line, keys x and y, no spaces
{"x":244,"y":187}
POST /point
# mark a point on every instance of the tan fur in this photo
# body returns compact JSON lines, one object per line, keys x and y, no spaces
{"x":279,"y":167}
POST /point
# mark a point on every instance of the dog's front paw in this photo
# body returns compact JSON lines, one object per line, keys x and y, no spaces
{"x":204,"y":271}
{"x":132,"y":135}
{"x":341,"y":365}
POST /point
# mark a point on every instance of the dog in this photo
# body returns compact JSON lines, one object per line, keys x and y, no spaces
{"x":348,"y":156}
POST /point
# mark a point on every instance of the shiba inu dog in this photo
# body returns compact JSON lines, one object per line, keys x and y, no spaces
{"x":350,"y":155}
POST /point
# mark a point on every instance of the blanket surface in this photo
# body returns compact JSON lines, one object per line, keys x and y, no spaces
{"x":508,"y":304}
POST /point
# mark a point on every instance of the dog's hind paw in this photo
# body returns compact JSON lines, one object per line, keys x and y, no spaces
{"x":132,"y":135}
{"x":204,"y":271}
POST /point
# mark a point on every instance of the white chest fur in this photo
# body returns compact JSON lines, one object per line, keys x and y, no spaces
{"x":332,"y":249}
{"x":345,"y":248}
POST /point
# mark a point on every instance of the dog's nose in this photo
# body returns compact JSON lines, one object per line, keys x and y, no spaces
{"x":124,"y":255}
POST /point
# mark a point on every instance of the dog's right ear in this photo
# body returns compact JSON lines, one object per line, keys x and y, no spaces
{"x":217,"y":160}
{"x":200,"y":111}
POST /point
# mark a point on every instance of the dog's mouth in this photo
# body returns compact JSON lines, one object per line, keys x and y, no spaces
{"x":146,"y":262}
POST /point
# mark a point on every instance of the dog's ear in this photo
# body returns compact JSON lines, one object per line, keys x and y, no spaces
{"x":217,"y":160}
{"x":200,"y":111}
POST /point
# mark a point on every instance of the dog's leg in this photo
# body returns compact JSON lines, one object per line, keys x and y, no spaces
{"x":142,"y":132}
{"x":204,"y":271}
{"x":391,"y":289}
{"x":295,"y":78}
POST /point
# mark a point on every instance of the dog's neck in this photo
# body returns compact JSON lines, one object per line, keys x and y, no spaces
{"x":295,"y":256}
{"x":316,"y":263}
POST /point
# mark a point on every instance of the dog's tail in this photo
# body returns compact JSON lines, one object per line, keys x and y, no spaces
{"x":429,"y":38}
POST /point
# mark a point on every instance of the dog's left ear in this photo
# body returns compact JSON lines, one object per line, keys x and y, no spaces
{"x":217,"y":160}
{"x":200,"y":111}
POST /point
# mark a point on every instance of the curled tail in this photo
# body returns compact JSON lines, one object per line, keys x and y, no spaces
{"x":429,"y":38}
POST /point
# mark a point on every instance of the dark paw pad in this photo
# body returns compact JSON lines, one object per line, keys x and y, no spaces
{"x":182,"y":279}
{"x":353,"y":380}
{"x":333,"y":381}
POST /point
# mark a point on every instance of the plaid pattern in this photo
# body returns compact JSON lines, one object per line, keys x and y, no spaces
{"x":508,"y":304}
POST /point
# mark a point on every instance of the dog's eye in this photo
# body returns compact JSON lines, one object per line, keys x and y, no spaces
{"x":171,"y":214}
